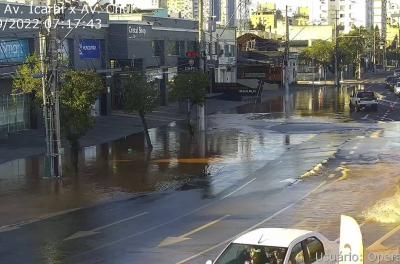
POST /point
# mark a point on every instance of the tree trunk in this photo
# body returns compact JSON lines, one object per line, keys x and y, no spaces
{"x":146,"y":131}
{"x":74,"y":154}
{"x":188,"y":119}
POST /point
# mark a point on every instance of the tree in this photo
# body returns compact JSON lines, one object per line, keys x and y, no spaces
{"x":190,"y":87}
{"x":26,"y":79}
{"x":321,"y":52}
{"x":142,"y":97}
{"x":78,"y":93}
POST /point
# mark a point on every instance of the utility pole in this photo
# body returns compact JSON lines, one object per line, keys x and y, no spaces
{"x":336,"y":50}
{"x":287,"y":59}
{"x":384,"y":33}
{"x":201,"y":108}
{"x":51,"y":98}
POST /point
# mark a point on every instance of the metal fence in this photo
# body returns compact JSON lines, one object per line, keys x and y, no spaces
{"x":14,"y":113}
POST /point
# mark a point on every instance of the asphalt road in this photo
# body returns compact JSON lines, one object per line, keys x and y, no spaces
{"x":308,"y":186}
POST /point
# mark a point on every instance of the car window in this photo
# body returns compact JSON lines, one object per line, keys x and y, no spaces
{"x":315,"y":249}
{"x":297,"y":255}
{"x":241,"y":253}
{"x":365,"y":95}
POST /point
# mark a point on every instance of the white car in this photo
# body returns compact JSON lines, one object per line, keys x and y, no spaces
{"x":396,"y":88}
{"x":278,"y":246}
{"x":363,"y":99}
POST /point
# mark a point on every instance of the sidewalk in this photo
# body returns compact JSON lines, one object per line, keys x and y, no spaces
{"x":107,"y":128}
{"x":368,"y":78}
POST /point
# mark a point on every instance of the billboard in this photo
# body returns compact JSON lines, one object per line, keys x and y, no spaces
{"x":14,"y":50}
{"x":89,"y":49}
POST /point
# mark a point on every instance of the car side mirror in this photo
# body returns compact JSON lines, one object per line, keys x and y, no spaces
{"x":209,"y":262}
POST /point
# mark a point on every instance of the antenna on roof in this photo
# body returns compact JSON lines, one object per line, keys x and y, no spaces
{"x":260,"y":240}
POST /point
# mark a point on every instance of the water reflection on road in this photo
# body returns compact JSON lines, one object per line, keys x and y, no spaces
{"x":213,"y":161}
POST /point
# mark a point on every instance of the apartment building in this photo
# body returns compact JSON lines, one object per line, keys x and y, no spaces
{"x":348,"y":13}
{"x":182,"y":8}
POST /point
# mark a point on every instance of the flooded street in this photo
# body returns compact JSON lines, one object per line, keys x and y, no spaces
{"x":253,"y":168}
{"x":232,"y":148}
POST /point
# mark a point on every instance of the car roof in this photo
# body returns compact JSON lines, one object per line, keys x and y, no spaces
{"x":274,"y":237}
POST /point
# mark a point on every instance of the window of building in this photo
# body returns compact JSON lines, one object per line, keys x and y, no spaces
{"x":176,"y":48}
{"x":192,"y":46}
{"x":157,"y":47}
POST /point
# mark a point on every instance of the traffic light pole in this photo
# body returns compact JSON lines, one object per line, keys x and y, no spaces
{"x":287,"y":59}
{"x":51,"y":105}
{"x":336,"y":50}
{"x":201,"y":108}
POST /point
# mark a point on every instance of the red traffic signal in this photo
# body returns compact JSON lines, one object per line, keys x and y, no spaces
{"x":192,"y":54}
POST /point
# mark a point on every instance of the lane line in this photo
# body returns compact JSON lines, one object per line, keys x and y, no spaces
{"x":18,"y":225}
{"x":120,"y":221}
{"x":175,"y":240}
{"x":86,"y":233}
{"x":196,"y":230}
{"x":252,"y":227}
{"x":378,"y":243}
{"x":238,"y":189}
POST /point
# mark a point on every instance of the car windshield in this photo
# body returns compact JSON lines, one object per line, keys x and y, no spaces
{"x":365,"y":95}
{"x":252,"y":254}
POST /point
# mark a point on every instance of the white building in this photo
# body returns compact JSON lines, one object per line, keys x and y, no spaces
{"x":348,"y":12}
{"x":223,"y":50}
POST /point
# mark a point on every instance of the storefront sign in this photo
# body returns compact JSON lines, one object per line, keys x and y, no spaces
{"x":89,"y":49}
{"x":14,"y":50}
{"x":135,"y":31}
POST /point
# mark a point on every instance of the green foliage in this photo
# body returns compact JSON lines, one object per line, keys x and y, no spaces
{"x":190,"y":86}
{"x":321,"y":52}
{"x":142,"y":97}
{"x":78,"y":93}
{"x":354,"y":45}
{"x":139,"y":95}
{"x":25,"y":82}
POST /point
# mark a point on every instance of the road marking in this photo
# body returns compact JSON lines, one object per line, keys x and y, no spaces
{"x":365,"y":117}
{"x":238,"y":189}
{"x":250,"y":228}
{"x":377,"y":245}
{"x":174,"y":240}
{"x":81,"y":234}
{"x":11,"y":227}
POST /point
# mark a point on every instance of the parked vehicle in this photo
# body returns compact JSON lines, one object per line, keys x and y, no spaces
{"x":362,"y":100}
{"x":397,"y":72}
{"x":396,"y":88}
{"x":391,"y":81}
{"x":293,"y":246}
{"x":277,"y":245}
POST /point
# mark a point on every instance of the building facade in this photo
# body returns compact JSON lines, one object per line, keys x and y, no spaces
{"x":265,"y":16}
{"x":150,"y":45}
{"x":222,"y":52}
{"x":80,"y":48}
{"x":348,"y":13}
{"x":181,"y":8}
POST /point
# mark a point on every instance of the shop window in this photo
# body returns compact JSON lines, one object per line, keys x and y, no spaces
{"x":157,"y":47}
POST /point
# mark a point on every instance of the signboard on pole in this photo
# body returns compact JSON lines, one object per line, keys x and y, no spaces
{"x":89,"y":49}
{"x":188,"y":65}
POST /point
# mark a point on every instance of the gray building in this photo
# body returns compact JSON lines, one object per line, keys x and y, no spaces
{"x":82,"y":46}
{"x":149,"y":44}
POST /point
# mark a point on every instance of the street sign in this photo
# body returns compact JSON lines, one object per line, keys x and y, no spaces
{"x":188,"y":65}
